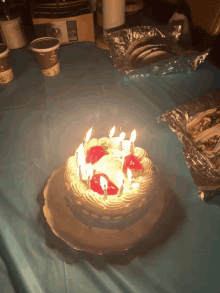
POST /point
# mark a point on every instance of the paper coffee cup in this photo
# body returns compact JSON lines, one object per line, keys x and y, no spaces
{"x":13,"y":33}
{"x":47,"y":52}
{"x":6,"y":73}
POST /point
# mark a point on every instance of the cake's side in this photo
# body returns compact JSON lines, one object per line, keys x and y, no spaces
{"x":95,"y":240}
{"x":120,"y":222}
{"x":114,"y":212}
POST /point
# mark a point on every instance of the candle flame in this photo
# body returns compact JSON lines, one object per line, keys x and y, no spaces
{"x":104,"y":183}
{"x":112,"y":132}
{"x":88,"y":135}
{"x":90,"y":170}
{"x":129,"y":174}
{"x":133,"y":135}
{"x":120,"y":178}
{"x":122,"y":136}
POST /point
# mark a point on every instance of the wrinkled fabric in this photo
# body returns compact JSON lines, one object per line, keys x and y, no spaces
{"x":43,"y":120}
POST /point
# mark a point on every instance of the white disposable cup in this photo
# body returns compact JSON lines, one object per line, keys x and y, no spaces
{"x":47,"y":52}
{"x":13,"y":33}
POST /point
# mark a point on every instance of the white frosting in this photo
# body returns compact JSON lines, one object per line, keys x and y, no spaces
{"x":109,"y":165}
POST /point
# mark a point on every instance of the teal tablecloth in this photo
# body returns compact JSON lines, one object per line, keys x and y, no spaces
{"x":43,"y":119}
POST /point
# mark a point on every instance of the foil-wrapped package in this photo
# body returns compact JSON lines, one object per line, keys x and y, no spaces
{"x":197,"y":125}
{"x":142,"y":50}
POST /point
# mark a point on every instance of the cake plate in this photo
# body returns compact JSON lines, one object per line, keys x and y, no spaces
{"x":91,"y":239}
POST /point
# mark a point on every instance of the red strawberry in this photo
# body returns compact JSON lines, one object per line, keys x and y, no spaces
{"x":96,"y":186}
{"x":94,"y":154}
{"x":132,"y":163}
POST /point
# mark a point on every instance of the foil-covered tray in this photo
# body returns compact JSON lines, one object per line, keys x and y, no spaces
{"x":143,"y":50}
{"x":196,"y":125}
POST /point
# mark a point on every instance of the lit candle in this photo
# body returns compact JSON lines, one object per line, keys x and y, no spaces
{"x":120,"y":182}
{"x":80,"y":173}
{"x":81,"y":163}
{"x":132,"y":140}
{"x":112,"y":132}
{"x":88,"y":135}
{"x":130,"y":177}
{"x":121,"y":137}
{"x":89,"y":173}
{"x":79,"y":152}
{"x":104,"y":185}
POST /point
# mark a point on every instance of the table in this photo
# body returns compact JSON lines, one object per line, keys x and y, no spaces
{"x":43,"y":119}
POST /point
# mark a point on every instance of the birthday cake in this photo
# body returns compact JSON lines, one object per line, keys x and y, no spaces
{"x":110,"y":187}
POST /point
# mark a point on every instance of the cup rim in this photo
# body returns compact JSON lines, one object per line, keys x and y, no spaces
{"x":3,"y":54}
{"x":46,"y":49}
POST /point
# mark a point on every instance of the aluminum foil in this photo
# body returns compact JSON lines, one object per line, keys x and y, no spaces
{"x":182,"y":60}
{"x":205,"y":176}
